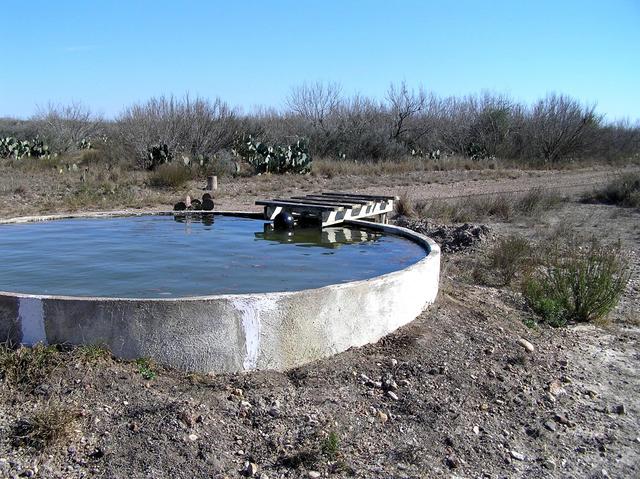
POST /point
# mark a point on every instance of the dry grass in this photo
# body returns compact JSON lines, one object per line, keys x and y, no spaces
{"x":49,"y":425}
{"x":331,"y":168}
{"x":26,"y":368}
{"x":623,"y":191}
{"x":506,"y":259}
{"x":92,"y":353}
{"x":171,"y":175}
{"x":500,"y":207}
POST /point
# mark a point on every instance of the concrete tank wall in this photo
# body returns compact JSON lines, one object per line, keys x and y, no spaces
{"x":233,"y":332}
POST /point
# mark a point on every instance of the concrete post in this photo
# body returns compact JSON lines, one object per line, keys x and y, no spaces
{"x":212,"y":183}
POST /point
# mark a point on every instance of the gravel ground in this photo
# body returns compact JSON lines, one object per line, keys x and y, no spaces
{"x":466,"y":390}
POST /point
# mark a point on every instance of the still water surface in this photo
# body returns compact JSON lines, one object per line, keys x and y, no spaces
{"x":166,"y":256}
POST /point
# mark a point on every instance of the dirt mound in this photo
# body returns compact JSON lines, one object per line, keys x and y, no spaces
{"x":451,"y":238}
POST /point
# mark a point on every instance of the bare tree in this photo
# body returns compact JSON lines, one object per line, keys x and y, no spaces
{"x":403,"y":105}
{"x":315,"y":102}
{"x":64,"y":126}
{"x":562,"y":127}
{"x":189,"y":126}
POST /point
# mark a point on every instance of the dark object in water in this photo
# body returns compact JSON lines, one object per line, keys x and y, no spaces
{"x":283,"y":221}
{"x":207,"y":196}
{"x":180,"y":206}
{"x":196,"y":205}
{"x":207,"y":203}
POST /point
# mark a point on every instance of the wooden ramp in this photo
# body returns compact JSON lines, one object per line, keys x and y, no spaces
{"x":331,"y":208}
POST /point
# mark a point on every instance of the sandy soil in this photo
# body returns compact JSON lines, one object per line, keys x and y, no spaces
{"x":26,"y":192}
{"x":471,"y":400}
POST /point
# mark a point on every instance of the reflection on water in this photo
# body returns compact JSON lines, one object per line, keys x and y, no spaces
{"x":194,"y":254}
{"x":206,"y":219}
{"x":331,"y":237}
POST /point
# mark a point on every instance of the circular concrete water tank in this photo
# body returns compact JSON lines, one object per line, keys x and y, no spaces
{"x":231,"y":332}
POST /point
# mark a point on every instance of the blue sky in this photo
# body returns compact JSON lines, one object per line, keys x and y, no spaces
{"x":108,"y":54}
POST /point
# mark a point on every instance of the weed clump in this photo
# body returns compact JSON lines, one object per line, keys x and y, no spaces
{"x":580,"y":286}
{"x":404,"y":207}
{"x":92,"y":353}
{"x":146,"y":368}
{"x":623,"y":191}
{"x":501,"y":207}
{"x":331,"y":445}
{"x":508,"y":257}
{"x":170,"y":175}
{"x":46,"y":427}
{"x":26,"y":368}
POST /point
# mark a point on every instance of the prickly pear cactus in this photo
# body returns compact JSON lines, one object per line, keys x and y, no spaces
{"x":158,"y":155}
{"x":18,"y":149}
{"x":291,"y":158}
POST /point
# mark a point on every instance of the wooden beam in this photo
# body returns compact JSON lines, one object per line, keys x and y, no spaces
{"x":361,"y":197}
{"x":328,"y":201}
{"x":345,"y":199}
{"x":293,"y":204}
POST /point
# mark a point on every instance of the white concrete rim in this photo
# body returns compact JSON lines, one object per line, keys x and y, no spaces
{"x":430,"y":246}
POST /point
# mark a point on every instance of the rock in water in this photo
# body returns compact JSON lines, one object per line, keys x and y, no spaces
{"x":180,"y":206}
{"x":283,"y":221}
{"x":207,"y":203}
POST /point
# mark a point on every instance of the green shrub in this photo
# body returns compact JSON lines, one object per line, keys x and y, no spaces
{"x":582,"y":286}
{"x":331,"y":445}
{"x":146,"y":368}
{"x":623,"y":191}
{"x":170,"y":175}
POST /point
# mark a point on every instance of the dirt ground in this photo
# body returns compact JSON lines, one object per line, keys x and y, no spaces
{"x":470,"y":400}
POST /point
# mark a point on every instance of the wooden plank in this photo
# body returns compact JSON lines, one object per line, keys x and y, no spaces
{"x":330,"y":202}
{"x":353,"y":195}
{"x":292,"y":204}
{"x":336,"y":198}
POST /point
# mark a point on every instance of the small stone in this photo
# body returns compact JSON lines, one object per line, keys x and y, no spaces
{"x":562,"y":419}
{"x":313,"y":474}
{"x":383,"y":417}
{"x":526,"y":345}
{"x":549,"y":464}
{"x":193,"y":437}
{"x":516,"y":455}
{"x":550,"y":425}
{"x":390,"y":385}
{"x":250,"y":469}
{"x":619,"y":409}
{"x":452,"y":462}
{"x":484,"y":406}
{"x":392,"y":395}
{"x":555,"y":388}
{"x":476,"y":430}
{"x":394,"y":363}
